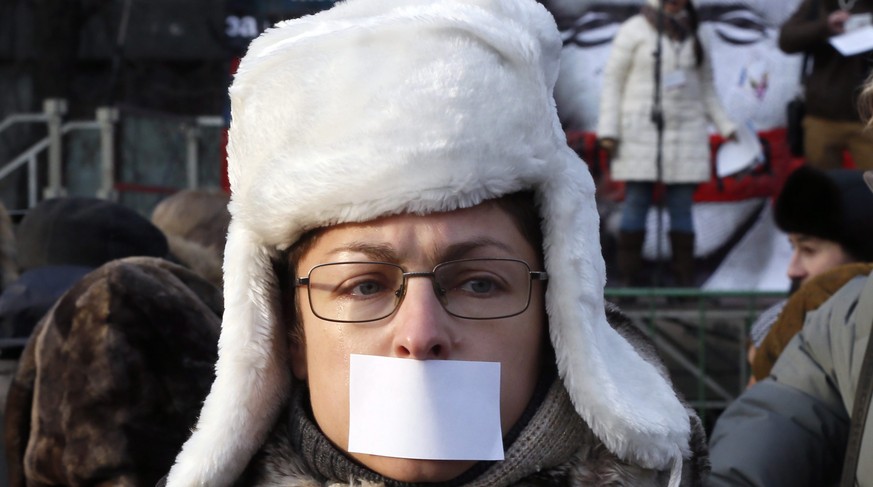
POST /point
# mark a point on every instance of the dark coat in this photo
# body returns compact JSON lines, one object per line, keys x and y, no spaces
{"x":792,"y":429}
{"x":59,"y":241}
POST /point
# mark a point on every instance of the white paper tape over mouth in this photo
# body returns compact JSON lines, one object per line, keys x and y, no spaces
{"x":428,"y":410}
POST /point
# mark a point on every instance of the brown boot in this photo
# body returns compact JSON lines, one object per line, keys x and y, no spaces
{"x":630,"y":257}
{"x":682,"y":258}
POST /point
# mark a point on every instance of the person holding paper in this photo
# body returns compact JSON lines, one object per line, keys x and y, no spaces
{"x":413,"y":276}
{"x":832,"y":124}
{"x":626,"y":128}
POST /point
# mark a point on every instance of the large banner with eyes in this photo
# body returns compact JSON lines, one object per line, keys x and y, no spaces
{"x":737,"y":245}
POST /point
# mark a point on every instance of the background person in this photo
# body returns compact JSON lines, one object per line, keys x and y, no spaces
{"x":195,"y":222}
{"x":110,"y":382}
{"x":626,"y":130}
{"x":8,"y":250}
{"x":59,"y":241}
{"x":791,"y":429}
{"x":798,"y":426}
{"x":416,"y":164}
{"x":754,"y":80}
{"x":832,"y":123}
{"x":827,"y":216}
{"x":118,"y":347}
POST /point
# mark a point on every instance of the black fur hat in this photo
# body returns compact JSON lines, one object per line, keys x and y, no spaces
{"x":85,"y":232}
{"x":834,"y":205}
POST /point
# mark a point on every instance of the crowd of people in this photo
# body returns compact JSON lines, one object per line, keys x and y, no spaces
{"x":113,"y":319}
{"x":386,"y":303}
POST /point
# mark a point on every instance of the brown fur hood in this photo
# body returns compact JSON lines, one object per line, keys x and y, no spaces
{"x":111,"y":380}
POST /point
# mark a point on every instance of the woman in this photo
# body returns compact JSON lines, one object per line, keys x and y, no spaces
{"x":404,"y":205}
{"x":627,"y":131}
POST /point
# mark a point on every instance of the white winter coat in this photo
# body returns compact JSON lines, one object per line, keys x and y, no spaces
{"x":626,"y":107}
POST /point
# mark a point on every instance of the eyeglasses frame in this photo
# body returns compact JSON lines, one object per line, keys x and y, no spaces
{"x":401,"y":293}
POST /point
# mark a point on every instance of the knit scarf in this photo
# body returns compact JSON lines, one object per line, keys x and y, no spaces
{"x":551,"y":446}
{"x":549,"y":436}
{"x":677,"y":27}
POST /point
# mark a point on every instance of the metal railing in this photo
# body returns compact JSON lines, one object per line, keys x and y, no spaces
{"x":105,"y":123}
{"x":701,"y":335}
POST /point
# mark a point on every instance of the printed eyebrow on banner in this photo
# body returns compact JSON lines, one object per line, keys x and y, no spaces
{"x":596,"y":26}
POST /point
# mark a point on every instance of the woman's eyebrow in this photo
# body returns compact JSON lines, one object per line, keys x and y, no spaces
{"x":387,"y":253}
{"x":376,"y":252}
{"x":463,"y":249}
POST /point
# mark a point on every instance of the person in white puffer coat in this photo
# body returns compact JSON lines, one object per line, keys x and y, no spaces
{"x":627,"y":131}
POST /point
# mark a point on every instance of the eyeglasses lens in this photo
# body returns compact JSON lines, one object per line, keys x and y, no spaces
{"x":482,"y":289}
{"x":369,"y":291}
{"x":351,"y":291}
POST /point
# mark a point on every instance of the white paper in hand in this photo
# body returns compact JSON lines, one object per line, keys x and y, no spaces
{"x":432,"y":409}
{"x":743,"y":154}
{"x":854,"y":42}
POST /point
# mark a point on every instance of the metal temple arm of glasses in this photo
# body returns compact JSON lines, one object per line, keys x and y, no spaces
{"x":539,"y":276}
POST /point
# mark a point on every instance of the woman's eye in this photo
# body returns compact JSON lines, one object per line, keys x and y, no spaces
{"x":478,"y":286}
{"x":364,"y":287}
{"x":367,"y":288}
{"x":806,"y":250}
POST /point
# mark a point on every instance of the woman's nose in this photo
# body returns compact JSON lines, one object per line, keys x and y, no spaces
{"x":421,"y":328}
{"x":795,"y":268}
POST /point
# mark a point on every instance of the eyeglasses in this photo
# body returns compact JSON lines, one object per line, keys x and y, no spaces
{"x":475,"y":289}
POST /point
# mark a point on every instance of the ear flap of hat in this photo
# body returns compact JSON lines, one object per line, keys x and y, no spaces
{"x":629,"y":405}
{"x":252,"y":377}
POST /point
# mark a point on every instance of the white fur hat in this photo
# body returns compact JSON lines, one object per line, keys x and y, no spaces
{"x":379,"y":107}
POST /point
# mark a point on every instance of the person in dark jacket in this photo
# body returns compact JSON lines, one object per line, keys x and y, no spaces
{"x":59,"y":241}
{"x":832,"y":123}
{"x":791,"y":429}
{"x":827,"y":216}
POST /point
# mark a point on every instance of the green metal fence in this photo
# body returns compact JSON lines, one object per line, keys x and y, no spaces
{"x":702,"y":337}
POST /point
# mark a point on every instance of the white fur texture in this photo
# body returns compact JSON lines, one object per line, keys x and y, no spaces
{"x":380,"y":107}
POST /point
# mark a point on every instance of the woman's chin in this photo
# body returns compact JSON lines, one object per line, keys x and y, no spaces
{"x":410,"y":470}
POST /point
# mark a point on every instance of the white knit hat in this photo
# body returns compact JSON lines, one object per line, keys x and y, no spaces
{"x":380,"y":107}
